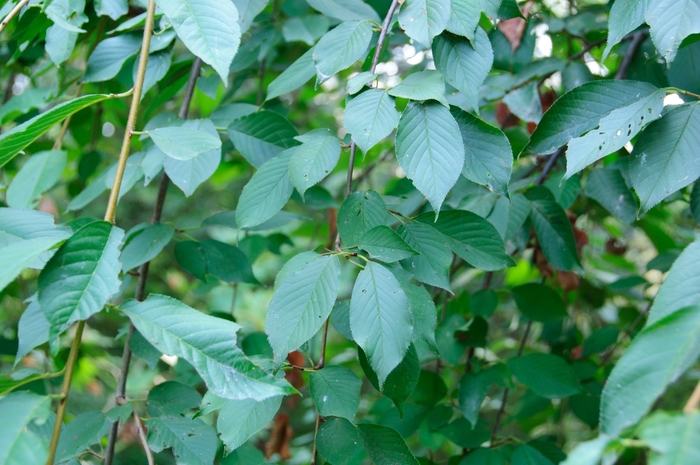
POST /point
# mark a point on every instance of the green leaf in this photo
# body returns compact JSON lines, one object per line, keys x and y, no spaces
{"x":484,"y":456}
{"x":115,"y":9}
{"x":305,"y":29}
{"x":228,"y":219}
{"x":422,"y":20}
{"x":547,"y":375}
{"x":314,"y":159}
{"x":82,"y":276}
{"x":473,"y":238}
{"x":67,"y":16}
{"x":345,"y":10}
{"x":658,"y":356}
{"x":508,"y":216}
{"x":607,"y":186}
{"x":360,"y":212}
{"x":184,"y":143}
{"x":266,"y":192}
{"x":591,"y":452}
{"x":336,"y":391}
{"x":341,"y":47}
{"x":240,"y":419}
{"x":18,"y":224}
{"x":429,"y":148}
{"x":528,"y":455}
{"x":488,"y":158}
{"x":370,"y":117}
{"x":109,"y":56}
{"x":670,"y":23}
{"x":227,"y":114}
{"x":553,"y":229}
{"x":248,"y":10}
{"x":189,"y":174}
{"x":614,"y":131}
{"x":338,"y":441}
{"x":432,"y":265}
{"x":385,"y":446}
{"x":357,"y":83}
{"x":146,"y":245}
{"x":473,"y":388}
{"x":301,"y":304}
{"x":211,"y":350}
{"x":340,"y":318}
{"x":539,"y":302}
{"x":23,"y":103}
{"x":664,"y":157}
{"x":424,"y":314}
{"x":524,"y":102}
{"x":380,"y":318}
{"x":294,"y":76}
{"x":172,"y":398}
{"x":465,"y":65}
{"x":402,"y":380}
{"x":193,"y":442}
{"x":464,"y":18}
{"x":625,"y":17}
{"x":18,"y":443}
{"x":568,"y":118}
{"x":262,"y":135}
{"x":33,"y":329}
{"x":681,"y":286}
{"x":39,"y":174}
{"x":19,"y":137}
{"x":382,"y":243}
{"x":421,"y":86}
{"x":83,"y":431}
{"x":227,"y":262}
{"x":207,"y":29}
{"x":674,"y":438}
{"x":21,"y":254}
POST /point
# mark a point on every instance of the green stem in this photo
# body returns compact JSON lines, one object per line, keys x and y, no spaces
{"x":31,"y":379}
{"x":676,"y":90}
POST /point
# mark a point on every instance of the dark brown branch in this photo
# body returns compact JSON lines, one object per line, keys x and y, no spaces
{"x":550,"y":164}
{"x":635,"y":43}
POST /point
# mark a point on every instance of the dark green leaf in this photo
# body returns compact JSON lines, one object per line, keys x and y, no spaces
{"x":539,"y":302}
{"x":607,"y":187}
{"x":547,"y":375}
{"x":402,"y":380}
{"x":146,"y":245}
{"x":432,"y":265}
{"x":172,"y":399}
{"x":385,"y":446}
{"x":193,"y":442}
{"x":527,"y":455}
{"x":83,"y":431}
{"x":338,"y":441}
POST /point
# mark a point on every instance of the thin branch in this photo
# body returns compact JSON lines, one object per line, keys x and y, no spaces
{"x":550,"y":164}
{"x":13,"y":12}
{"x":144,"y":441}
{"x":635,"y":43}
{"x":694,"y":400}
{"x":140,"y":293}
{"x":382,"y":35}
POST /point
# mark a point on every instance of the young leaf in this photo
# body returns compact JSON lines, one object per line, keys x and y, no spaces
{"x":488,"y":158}
{"x":614,"y":131}
{"x":382,"y":243}
{"x":341,"y":47}
{"x":266,"y":192}
{"x":472,"y":238}
{"x":207,"y":29}
{"x":380,"y":318}
{"x":421,"y":86}
{"x":370,"y":117}
{"x":336,"y":391}
{"x":19,"y":137}
{"x":82,"y":276}
{"x":193,"y":441}
{"x":39,"y":174}
{"x":294,"y":76}
{"x":109,"y":56}
{"x":338,"y":441}
{"x":658,"y":356}
{"x":664,"y":158}
{"x":429,"y":148}
{"x":262,"y":135}
{"x":465,"y":65}
{"x":184,"y":143}
{"x":240,"y":419}
{"x":314,"y":159}
{"x":345,"y":10}
{"x":567,"y":118}
{"x":553,"y":229}
{"x":433,"y":263}
{"x":607,"y":186}
{"x":547,"y":375}
{"x":422,"y":20}
{"x":301,"y":303}
{"x":385,"y":446}
{"x":360,"y":212}
{"x":146,"y":245}
{"x":211,"y":350}
{"x":539,"y":302}
{"x":18,"y":443}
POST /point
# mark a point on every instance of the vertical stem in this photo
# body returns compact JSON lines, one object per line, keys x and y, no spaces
{"x":109,"y":216}
{"x":120,"y":393}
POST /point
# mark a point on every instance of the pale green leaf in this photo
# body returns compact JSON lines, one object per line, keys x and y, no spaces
{"x":18,"y":443}
{"x":23,"y":103}
{"x":430,"y":150}
{"x":625,"y":17}
{"x":301,"y":304}
{"x":33,"y":329}
{"x":248,"y":10}
{"x":674,"y":438}
{"x":146,"y":245}
{"x":109,"y":56}
{"x":314,"y":159}
{"x":670,"y":23}
{"x":370,"y":117}
{"x":524,"y":102}
{"x":508,"y":215}
{"x":380,"y":318}
{"x":607,"y":186}
{"x":183,"y":143}
{"x":464,"y":17}
{"x":422,"y":20}
{"x":293,"y":77}
{"x":355,"y":83}
{"x":156,"y":69}
{"x":345,"y":10}
{"x":360,"y":212}
{"x":240,"y":419}
{"x":193,"y":441}
{"x":115,"y":9}
{"x":21,"y":254}
{"x":207,"y":28}
{"x":305,"y":29}
{"x":39,"y":174}
{"x":421,"y":86}
{"x":211,"y":349}
{"x":336,"y":391}
{"x":262,"y":135}
{"x":340,"y":47}
{"x":83,"y":431}
{"x":82,"y":276}
{"x":432,"y":265}
{"x":382,"y":243}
